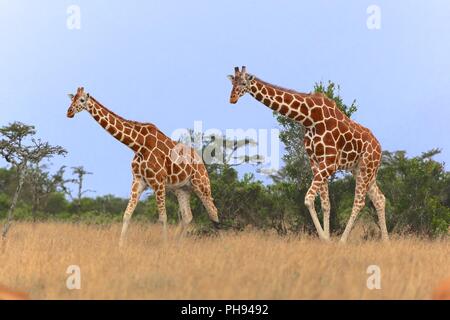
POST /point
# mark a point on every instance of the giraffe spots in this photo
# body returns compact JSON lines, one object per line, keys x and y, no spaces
{"x":331,"y":123}
{"x":259,"y":96}
{"x":275,"y":105}
{"x":348,"y":136}
{"x":342,"y":127}
{"x":144,"y":130}
{"x":336,"y":134}
{"x":328,"y":139}
{"x":309,"y":102}
{"x":140,"y":139}
{"x":267,"y":102}
{"x":279,"y":99}
{"x":320,"y":128}
{"x":330,"y":150}
{"x":295,"y":105}
{"x":112,"y":130}
{"x":288,"y":98}
{"x":340,"y":141}
{"x":339,"y":115}
{"x":150,"y":141}
{"x":126,"y":139}
{"x":299,"y":118}
{"x":307,"y":122}
{"x":318,"y":101}
{"x":111,"y":119}
{"x":316,"y":114}
{"x":264,"y":91}
{"x":329,"y":102}
{"x":270,"y":91}
{"x":348,"y":147}
{"x":304,"y":110}
{"x":284,"y":109}
{"x":293,"y":114}
{"x":319,"y":149}
{"x":119,"y":126}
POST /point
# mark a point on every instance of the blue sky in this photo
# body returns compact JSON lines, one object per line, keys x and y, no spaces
{"x":166,"y":62}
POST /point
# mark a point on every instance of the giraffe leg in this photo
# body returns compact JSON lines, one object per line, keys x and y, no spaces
{"x":321,"y":170}
{"x":309,"y":202}
{"x":325,"y":202}
{"x":379,"y":201}
{"x":362,"y":185}
{"x":203,"y":190}
{"x":160,"y":194}
{"x":183,"y":197}
{"x":137,"y":188}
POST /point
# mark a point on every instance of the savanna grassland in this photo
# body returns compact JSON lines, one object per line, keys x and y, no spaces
{"x":247,"y":265}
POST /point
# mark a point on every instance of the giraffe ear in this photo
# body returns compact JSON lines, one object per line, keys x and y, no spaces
{"x":230,"y":77}
{"x":71,"y":96}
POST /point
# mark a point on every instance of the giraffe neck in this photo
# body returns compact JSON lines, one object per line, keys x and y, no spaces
{"x":123,"y":130}
{"x":289,"y":103}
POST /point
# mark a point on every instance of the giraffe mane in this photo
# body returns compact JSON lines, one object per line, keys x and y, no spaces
{"x":126,"y":120}
{"x":280,"y":88}
{"x":291,"y":91}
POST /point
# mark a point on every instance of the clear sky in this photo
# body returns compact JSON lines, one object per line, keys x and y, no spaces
{"x":166,"y":62}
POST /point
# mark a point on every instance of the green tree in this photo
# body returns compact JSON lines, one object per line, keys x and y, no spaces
{"x":19,"y":148}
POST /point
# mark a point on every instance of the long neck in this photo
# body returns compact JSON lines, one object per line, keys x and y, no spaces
{"x":123,"y":130}
{"x":289,"y":103}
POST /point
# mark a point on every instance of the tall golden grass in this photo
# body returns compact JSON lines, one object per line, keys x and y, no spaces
{"x":248,"y":265}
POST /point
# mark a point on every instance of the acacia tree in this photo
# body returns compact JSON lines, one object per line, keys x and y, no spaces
{"x":43,"y":184}
{"x":20,"y":148}
{"x":79,"y":173}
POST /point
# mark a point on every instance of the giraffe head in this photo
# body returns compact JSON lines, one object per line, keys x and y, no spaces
{"x":79,"y":102}
{"x":241,"y":82}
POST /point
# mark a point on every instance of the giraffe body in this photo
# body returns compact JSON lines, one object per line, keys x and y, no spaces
{"x":333,"y":142}
{"x":159,"y":163}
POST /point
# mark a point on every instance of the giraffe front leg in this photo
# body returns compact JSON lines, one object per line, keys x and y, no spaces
{"x":325,"y":203}
{"x":321,"y":173}
{"x":138,"y":186}
{"x":309,"y":202}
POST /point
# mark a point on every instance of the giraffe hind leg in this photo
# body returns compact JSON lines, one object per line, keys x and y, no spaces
{"x":326,"y":207}
{"x":379,"y":201}
{"x":363,"y":181}
{"x":183,"y":197}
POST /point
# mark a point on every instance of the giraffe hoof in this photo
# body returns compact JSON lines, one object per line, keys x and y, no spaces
{"x":216,"y":225}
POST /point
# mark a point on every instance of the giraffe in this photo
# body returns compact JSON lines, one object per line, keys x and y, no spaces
{"x":159,"y":163}
{"x":332,"y":141}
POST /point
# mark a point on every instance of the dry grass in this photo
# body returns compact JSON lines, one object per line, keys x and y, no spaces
{"x":249,"y":265}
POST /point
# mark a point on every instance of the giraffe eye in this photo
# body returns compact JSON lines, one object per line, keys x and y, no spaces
{"x":81,"y":100}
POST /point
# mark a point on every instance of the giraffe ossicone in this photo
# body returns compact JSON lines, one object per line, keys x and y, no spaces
{"x":333,"y":142}
{"x":159,"y":163}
